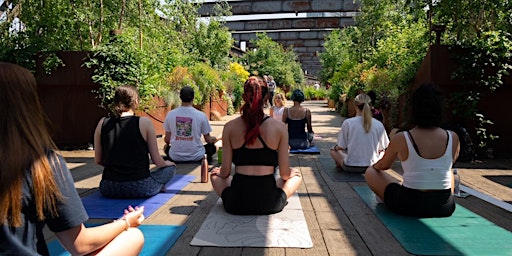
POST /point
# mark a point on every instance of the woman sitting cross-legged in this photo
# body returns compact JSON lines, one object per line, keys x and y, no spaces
{"x":427,"y":153}
{"x":361,"y":139}
{"x":298,"y":119}
{"x":37,"y":189}
{"x":256,"y":144}
{"x":123,"y":144}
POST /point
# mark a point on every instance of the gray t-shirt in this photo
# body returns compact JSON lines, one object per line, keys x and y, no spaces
{"x":28,"y":239}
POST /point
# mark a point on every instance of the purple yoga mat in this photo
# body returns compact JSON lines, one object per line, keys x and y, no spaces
{"x":99,"y":207}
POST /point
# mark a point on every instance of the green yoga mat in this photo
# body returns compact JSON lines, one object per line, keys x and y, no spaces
{"x":463,"y":233}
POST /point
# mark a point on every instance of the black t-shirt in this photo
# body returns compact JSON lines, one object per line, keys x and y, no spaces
{"x":28,"y":239}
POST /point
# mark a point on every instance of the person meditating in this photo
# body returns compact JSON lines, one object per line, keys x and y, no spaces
{"x":427,"y":153}
{"x":37,"y":189}
{"x":123,"y":144}
{"x":361,"y":139}
{"x":256,"y":144}
{"x":298,"y":119}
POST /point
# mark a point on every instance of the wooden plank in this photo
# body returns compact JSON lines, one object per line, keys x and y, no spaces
{"x":376,"y":237}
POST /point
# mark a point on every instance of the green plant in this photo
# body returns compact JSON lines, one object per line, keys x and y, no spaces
{"x":115,"y":64}
{"x":270,"y":58}
{"x":206,"y":81}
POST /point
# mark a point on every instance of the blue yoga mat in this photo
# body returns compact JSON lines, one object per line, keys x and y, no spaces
{"x":463,"y":233}
{"x":311,"y":150}
{"x":99,"y":207}
{"x":158,"y":239}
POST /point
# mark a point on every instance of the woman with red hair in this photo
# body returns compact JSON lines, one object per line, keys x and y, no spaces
{"x":256,"y":144}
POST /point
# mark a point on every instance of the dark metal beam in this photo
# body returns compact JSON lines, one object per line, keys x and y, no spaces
{"x":284,"y":6}
{"x":290,"y":24}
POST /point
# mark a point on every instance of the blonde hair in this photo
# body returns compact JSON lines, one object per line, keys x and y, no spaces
{"x":25,"y":147}
{"x":363,"y":101}
{"x":283,"y":99}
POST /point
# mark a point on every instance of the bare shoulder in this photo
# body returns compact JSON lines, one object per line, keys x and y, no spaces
{"x":144,"y":120}
{"x":235,"y":123}
{"x":455,"y":136}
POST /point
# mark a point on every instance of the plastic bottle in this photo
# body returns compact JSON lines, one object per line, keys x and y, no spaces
{"x":204,"y":169}
{"x":219,"y":155}
{"x":456,"y":189}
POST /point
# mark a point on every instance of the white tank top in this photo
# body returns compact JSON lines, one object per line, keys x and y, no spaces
{"x":278,"y":113}
{"x":422,"y":173}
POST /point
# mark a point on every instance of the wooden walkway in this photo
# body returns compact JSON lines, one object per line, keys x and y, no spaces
{"x":339,"y":221}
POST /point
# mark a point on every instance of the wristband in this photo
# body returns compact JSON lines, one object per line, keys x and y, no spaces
{"x":127,"y":223}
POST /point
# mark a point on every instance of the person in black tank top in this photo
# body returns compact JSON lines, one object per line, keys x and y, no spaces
{"x":122,"y":144}
{"x":256,"y":144}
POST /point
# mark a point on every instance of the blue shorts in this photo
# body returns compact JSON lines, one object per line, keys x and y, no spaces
{"x":417,"y":203}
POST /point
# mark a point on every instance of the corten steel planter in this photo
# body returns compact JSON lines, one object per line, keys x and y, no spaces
{"x":73,"y":108}
{"x":67,"y":98}
{"x":437,"y":68}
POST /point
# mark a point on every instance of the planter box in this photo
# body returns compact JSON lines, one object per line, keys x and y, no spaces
{"x":67,"y":98}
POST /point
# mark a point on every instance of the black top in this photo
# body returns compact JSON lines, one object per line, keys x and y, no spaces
{"x":125,"y":152}
{"x":255,"y":156}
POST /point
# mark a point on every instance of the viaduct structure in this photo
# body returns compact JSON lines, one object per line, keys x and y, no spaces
{"x":301,"y":24}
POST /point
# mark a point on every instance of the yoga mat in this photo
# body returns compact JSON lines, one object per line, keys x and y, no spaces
{"x":313,"y":150}
{"x":463,"y":233}
{"x":284,"y":229}
{"x":101,"y":207}
{"x":158,"y":239}
{"x":337,"y":174}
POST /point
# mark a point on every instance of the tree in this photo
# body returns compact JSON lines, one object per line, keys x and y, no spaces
{"x":270,"y":58}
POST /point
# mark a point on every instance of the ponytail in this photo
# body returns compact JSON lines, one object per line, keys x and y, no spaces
{"x":255,"y":93}
{"x":362,"y":102}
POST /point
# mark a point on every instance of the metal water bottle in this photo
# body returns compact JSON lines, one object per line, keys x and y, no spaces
{"x":204,"y":169}
{"x":456,"y":189}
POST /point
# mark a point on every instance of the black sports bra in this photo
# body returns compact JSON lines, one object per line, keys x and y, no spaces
{"x":264,"y":156}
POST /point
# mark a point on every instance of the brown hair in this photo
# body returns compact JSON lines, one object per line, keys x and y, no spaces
{"x":255,"y":94}
{"x":125,"y":98}
{"x":25,"y":141}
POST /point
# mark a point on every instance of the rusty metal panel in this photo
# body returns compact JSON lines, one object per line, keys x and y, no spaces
{"x":296,"y":6}
{"x":304,"y":23}
{"x":256,"y":25}
{"x":280,"y":24}
{"x":328,"y":23}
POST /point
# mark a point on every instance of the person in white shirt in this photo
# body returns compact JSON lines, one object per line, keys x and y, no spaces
{"x":184,"y":127}
{"x":361,"y":140}
{"x":277,"y":110}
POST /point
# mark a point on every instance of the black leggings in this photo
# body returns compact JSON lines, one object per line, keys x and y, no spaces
{"x":417,"y":203}
{"x":253,"y":195}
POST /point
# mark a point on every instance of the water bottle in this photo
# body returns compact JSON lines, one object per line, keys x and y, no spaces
{"x":456,"y":189}
{"x":219,"y":155}
{"x":204,"y":169}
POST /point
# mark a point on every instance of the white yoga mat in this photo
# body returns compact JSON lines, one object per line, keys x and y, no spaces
{"x":287,"y":228}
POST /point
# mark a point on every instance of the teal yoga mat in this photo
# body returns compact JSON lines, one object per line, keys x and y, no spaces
{"x":463,"y":233}
{"x":158,"y":240}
